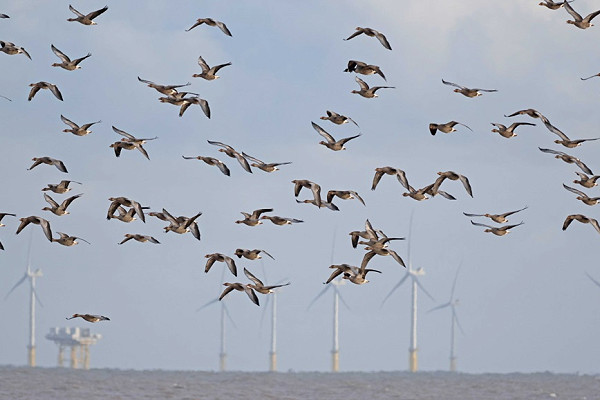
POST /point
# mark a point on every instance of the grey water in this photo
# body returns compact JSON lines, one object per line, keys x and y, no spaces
{"x":20,"y":383}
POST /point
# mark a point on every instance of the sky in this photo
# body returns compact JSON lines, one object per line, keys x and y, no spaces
{"x":526,"y":304}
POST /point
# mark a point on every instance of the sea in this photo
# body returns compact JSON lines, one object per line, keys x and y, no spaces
{"x":21,"y":383}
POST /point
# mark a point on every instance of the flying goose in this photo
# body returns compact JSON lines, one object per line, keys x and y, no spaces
{"x":211,"y":161}
{"x":168,"y":90}
{"x":498,"y":231}
{"x":372,"y":33}
{"x":130,"y":142}
{"x":124,"y":201}
{"x":589,"y":77}
{"x":453,"y":176}
{"x":581,"y":23}
{"x":445,"y":128}
{"x":581,"y":218}
{"x":465,"y":91}
{"x":57,"y":209}
{"x":586,"y":181}
{"x":379,"y":172}
{"x":210,"y":22}
{"x":305,"y":183}
{"x":381,"y":251}
{"x":11,"y":49}
{"x":259,"y":286}
{"x":344,"y":194}
{"x":331,"y":143}
{"x":590,"y":201}
{"x":251,"y":254}
{"x":281,"y":220}
{"x":531,"y":113}
{"x":2,"y":215}
{"x":209,"y":73}
{"x":90,"y":317}
{"x":353,"y":274}
{"x":510,"y":131}
{"x":254,"y":218}
{"x":35,"y":87}
{"x":212,"y":258}
{"x":270,"y":167}
{"x":321,"y":203}
{"x":337,"y":119}
{"x":568,"y":159}
{"x":140,"y":238}
{"x":76,"y":129}
{"x":38,"y":221}
{"x":86,"y":19}
{"x":66,"y":61}
{"x":499,"y":218}
{"x":180,"y":224}
{"x":186,"y":102}
{"x":366,"y":91}
{"x":242,"y":288}
{"x":363,"y":68}
{"x":4,"y":16}
{"x":48,"y":161}
{"x":125,"y":215}
{"x":564,"y":139}
{"x":552,"y":5}
{"x":230,"y":151}
{"x":67,"y":240}
{"x":60,"y":188}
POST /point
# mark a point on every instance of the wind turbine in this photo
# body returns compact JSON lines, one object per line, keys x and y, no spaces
{"x":452,"y":303}
{"x":413,"y":274}
{"x":32,"y":299}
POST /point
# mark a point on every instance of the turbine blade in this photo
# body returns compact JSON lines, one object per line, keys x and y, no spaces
{"x":342,"y":299}
{"x":319,"y":295}
{"x":423,"y":289}
{"x":440,"y":307}
{"x":593,"y":280}
{"x":207,"y":304}
{"x":455,"y":316}
{"x":454,"y":283}
{"x":228,"y":315}
{"x":16,"y":285}
{"x":395,"y":287}
{"x":37,"y":297}
{"x":409,"y":239}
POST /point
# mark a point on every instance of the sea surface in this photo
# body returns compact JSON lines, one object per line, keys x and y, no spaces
{"x":63,"y":384}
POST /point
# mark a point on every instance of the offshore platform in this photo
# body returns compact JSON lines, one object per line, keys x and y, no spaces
{"x":78,"y":340}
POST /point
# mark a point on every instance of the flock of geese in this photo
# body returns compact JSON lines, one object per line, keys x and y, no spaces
{"x":375,"y":241}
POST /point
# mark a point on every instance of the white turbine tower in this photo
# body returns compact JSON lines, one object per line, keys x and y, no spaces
{"x":32,"y":299}
{"x":413,"y":274}
{"x":452,"y":303}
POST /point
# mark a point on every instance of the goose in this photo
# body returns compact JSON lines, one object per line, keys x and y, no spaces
{"x":465,"y":91}
{"x":581,"y":23}
{"x":366,"y":91}
{"x":60,"y":188}
{"x":344,"y":194}
{"x":76,"y":129}
{"x":337,"y":119}
{"x":531,"y":113}
{"x":4,"y":16}
{"x":590,"y":201}
{"x":564,"y":139}
{"x":270,"y":167}
{"x":2,"y":215}
{"x":498,"y":231}
{"x":259,"y":286}
{"x":580,"y":218}
{"x":586,"y":181}
{"x":552,"y":5}
{"x":379,"y":172}
{"x":453,"y":176}
{"x":124,"y":201}
{"x":320,"y":204}
{"x":305,"y":183}
{"x":211,"y":161}
{"x":381,"y":251}
{"x":180,"y":224}
{"x":67,"y":240}
{"x":130,"y":142}
{"x":125,"y":215}
{"x":164,"y":89}
{"x":251,"y":254}
{"x":445,"y":128}
{"x":11,"y":49}
{"x":499,"y":218}
{"x":86,"y":19}
{"x":48,"y":161}
{"x":353,"y":274}
{"x":254,"y":218}
{"x":210,"y":22}
{"x":239,"y":287}
{"x":281,"y":220}
{"x":363,"y":68}
{"x":510,"y":131}
{"x":212,"y":258}
{"x":568,"y":159}
{"x":140,"y":238}
{"x":37,"y":221}
{"x":421,"y":194}
{"x":66,"y":61}
{"x":57,"y":209}
{"x":185,"y":103}
{"x":331,"y":143}
{"x":231,"y":152}
{"x":589,"y":77}
{"x":35,"y":87}
{"x":209,"y":73}
{"x":90,"y":317}
{"x":372,"y":33}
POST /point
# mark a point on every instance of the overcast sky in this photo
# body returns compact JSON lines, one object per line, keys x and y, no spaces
{"x":526,"y":303}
